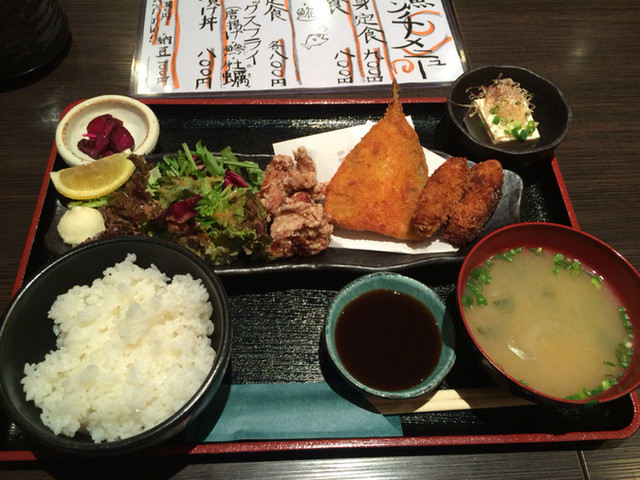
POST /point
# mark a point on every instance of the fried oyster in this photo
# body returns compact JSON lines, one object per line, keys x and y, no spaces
{"x":478,"y":203}
{"x":443,"y":191}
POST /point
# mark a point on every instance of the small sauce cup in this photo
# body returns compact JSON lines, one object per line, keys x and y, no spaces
{"x":412,"y":296}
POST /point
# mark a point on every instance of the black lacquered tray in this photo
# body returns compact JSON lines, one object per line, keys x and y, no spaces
{"x":278,"y":313}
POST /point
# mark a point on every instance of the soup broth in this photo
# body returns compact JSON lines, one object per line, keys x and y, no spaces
{"x":548,"y":323}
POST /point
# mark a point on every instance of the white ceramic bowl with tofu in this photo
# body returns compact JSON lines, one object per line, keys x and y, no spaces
{"x":478,"y":132}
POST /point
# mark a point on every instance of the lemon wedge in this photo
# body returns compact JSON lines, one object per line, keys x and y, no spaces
{"x":95,"y":179}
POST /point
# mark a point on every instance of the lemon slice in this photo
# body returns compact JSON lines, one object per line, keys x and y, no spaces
{"x":95,"y":179}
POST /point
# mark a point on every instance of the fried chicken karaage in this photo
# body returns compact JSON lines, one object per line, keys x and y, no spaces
{"x":291,"y":194}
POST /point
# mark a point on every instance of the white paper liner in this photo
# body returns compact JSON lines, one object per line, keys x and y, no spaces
{"x":328,"y":149}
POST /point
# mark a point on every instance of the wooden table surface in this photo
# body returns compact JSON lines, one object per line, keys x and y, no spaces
{"x":588,"y":48}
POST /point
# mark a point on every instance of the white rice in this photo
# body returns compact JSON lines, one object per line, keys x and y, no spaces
{"x":132,"y":349}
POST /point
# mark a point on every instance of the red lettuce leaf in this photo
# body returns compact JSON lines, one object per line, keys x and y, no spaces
{"x":182,"y":211}
{"x":233,"y":178}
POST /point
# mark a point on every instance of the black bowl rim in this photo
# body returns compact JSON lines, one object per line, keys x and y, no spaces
{"x":165,"y":428}
{"x":539,"y":148}
{"x":508,"y":380}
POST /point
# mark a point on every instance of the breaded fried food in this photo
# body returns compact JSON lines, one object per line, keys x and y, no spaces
{"x":477,"y":204}
{"x":300,"y":228}
{"x":442,"y":192}
{"x":292,"y":196}
{"x":285,"y":175}
{"x":378,"y":183}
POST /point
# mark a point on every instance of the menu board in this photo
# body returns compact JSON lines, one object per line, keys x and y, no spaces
{"x":226,"y":46}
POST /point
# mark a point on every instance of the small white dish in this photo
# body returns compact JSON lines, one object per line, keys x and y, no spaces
{"x":137,"y":117}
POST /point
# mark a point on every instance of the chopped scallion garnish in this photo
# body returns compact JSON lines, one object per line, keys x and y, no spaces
{"x":624,"y":351}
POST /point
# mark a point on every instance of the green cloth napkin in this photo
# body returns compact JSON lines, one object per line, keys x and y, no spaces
{"x":287,"y":411}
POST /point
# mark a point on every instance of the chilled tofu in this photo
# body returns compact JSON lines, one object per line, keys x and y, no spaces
{"x":502,"y":115}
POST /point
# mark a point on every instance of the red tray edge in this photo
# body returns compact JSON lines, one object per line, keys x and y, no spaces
{"x":26,"y":252}
{"x":350,"y":443}
{"x":564,"y":193}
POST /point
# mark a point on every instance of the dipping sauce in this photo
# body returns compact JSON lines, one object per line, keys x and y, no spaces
{"x":548,"y":322}
{"x":388,"y":340}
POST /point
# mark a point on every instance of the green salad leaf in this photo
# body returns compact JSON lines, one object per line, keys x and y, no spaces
{"x":204,"y":201}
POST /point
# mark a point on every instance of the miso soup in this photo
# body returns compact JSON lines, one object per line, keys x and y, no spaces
{"x":548,"y":322}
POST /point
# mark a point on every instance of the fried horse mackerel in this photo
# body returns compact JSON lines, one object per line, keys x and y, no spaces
{"x":378,"y":183}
